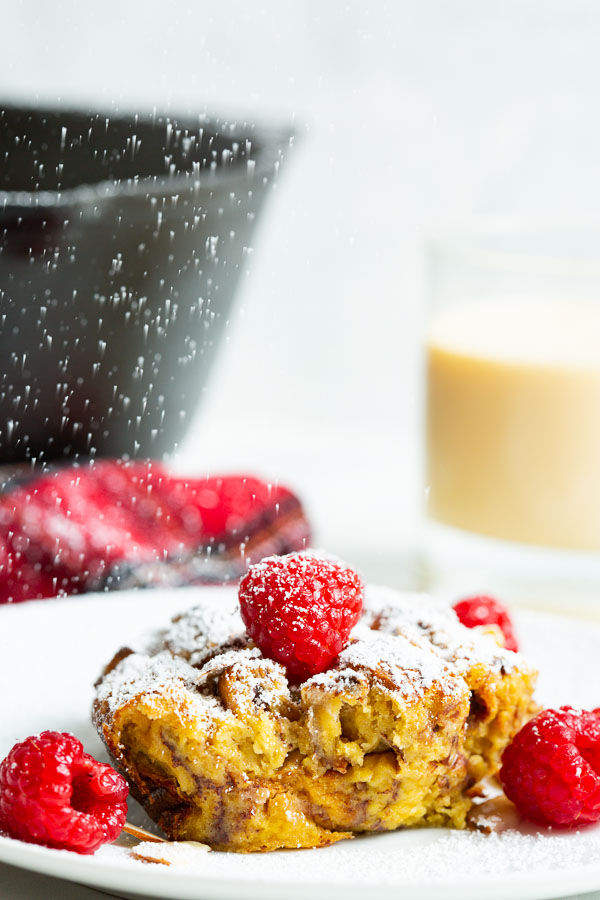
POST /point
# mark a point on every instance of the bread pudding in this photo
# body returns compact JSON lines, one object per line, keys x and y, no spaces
{"x":221,"y":748}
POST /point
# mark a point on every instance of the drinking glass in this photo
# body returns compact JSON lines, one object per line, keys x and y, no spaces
{"x":512,"y":352}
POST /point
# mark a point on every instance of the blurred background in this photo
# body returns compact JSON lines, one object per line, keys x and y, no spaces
{"x":406,"y":114}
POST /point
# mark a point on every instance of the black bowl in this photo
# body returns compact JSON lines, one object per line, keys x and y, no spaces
{"x":122,"y":240}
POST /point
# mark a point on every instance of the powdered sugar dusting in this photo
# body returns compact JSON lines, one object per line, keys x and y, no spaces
{"x":415,"y":859}
{"x":277,"y":570}
{"x":261,"y":682}
{"x":404,"y":641}
{"x":407,"y":669}
{"x":141,"y":675}
{"x":223,"y":661}
{"x":202,"y":629}
{"x":266,"y":563}
{"x":257,"y":682}
{"x":469,"y":855}
{"x":417,"y":617}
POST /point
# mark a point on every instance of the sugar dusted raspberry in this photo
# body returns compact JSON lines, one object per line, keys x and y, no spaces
{"x":483,"y":610}
{"x":299,"y":609}
{"x":551,"y":770}
{"x":53,"y":793}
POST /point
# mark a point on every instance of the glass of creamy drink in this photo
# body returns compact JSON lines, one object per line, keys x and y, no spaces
{"x":513,"y":412}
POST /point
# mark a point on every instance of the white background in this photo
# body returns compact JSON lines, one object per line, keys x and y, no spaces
{"x":407,"y":113}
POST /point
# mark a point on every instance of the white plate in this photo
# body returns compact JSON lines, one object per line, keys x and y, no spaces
{"x":50,"y":655}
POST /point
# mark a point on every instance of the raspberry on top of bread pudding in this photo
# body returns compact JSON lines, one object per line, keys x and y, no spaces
{"x":222,"y":746}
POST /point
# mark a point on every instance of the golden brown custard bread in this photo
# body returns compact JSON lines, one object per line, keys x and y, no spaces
{"x":220,"y":748}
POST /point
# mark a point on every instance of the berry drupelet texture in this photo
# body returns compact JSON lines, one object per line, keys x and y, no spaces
{"x":52,"y":793}
{"x":299,"y":609}
{"x":551,"y":770}
{"x":483,"y":610}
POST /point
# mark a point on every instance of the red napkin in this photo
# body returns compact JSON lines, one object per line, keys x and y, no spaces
{"x":113,"y":524}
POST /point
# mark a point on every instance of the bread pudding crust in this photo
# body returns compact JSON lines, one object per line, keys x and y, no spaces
{"x":220,"y":748}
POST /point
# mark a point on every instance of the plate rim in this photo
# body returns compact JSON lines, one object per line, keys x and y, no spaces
{"x":191,"y":884}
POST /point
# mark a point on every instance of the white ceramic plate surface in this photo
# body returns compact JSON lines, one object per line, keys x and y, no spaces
{"x":52,"y":651}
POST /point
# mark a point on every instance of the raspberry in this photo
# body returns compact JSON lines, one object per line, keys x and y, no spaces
{"x":551,"y":770}
{"x":300,"y":609}
{"x":474,"y":611}
{"x":53,"y":793}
